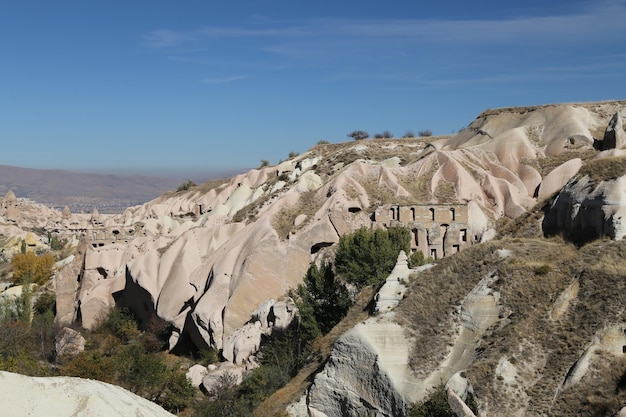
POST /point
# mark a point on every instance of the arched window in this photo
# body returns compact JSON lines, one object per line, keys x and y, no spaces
{"x":452,"y":214}
{"x":432,"y":214}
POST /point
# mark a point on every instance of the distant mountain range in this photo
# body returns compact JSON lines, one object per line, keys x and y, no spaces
{"x":83,"y":191}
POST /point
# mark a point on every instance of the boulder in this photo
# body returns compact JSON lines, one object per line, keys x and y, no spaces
{"x":242,"y":343}
{"x":69,"y":342}
{"x":614,"y":135}
{"x":65,"y":397}
{"x":196,"y":374}
{"x":457,"y":405}
{"x":222,"y":376}
{"x":558,"y":177}
{"x":586,"y":209}
{"x":282,"y":313}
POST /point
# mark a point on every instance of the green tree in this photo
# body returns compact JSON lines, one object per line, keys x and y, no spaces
{"x":324,"y":297}
{"x":367,"y":257}
{"x":358,"y":135}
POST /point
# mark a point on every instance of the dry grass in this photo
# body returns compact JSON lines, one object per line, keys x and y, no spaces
{"x":528,"y":225}
{"x":209,"y":185}
{"x":445,"y":193}
{"x":419,"y":187}
{"x":604,"y":169}
{"x":527,"y":297}
{"x":379,"y":195}
{"x":431,"y":301}
{"x":529,"y":282}
{"x":283,"y":222}
{"x":547,"y":164}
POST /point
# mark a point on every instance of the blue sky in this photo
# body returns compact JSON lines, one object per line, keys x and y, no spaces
{"x":163,"y":86}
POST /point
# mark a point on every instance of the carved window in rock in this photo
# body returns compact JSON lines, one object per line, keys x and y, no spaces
{"x":413,"y":215}
{"x":452,"y":214}
{"x":392,"y":212}
{"x":433,"y":253}
{"x":463,"y":235}
{"x":432,"y":213}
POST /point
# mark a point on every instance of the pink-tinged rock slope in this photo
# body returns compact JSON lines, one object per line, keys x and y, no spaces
{"x":205,"y":259}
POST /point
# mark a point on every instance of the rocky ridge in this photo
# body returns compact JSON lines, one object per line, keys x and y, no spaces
{"x":208,"y":258}
{"x":198,"y":257}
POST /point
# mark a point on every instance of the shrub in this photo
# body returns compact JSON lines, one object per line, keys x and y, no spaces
{"x":293,"y":154}
{"x":358,"y":135}
{"x":387,"y":134}
{"x":436,"y":405}
{"x":409,"y":134}
{"x":28,"y":267}
{"x":417,"y":258}
{"x":122,"y":324}
{"x":323,"y":142}
{"x":367,"y":257}
{"x":45,"y":302}
{"x":425,"y":133}
{"x":264,"y":163}
{"x":186,"y":185}
{"x":322,"y":301}
{"x":543,"y":269}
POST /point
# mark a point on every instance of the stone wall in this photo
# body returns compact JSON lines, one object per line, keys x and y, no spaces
{"x":438,"y":230}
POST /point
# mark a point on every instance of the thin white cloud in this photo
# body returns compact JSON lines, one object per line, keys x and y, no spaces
{"x":238,"y":32}
{"x":165,"y":38}
{"x":223,"y":80}
{"x":600,"y":21}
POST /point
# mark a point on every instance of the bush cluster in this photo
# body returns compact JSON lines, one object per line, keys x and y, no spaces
{"x":280,"y":357}
{"x":367,"y":257}
{"x":120,"y":354}
{"x":31,"y":268}
{"x":436,"y":405}
{"x":27,"y":342}
{"x":186,"y":185}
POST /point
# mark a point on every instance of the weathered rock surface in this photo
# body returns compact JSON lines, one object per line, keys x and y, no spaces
{"x":394,"y":287}
{"x":614,"y":135}
{"x":587,"y":207}
{"x":23,"y":396}
{"x":69,"y":342}
{"x":196,"y":374}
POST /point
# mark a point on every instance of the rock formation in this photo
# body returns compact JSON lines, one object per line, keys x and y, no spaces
{"x":65,"y":397}
{"x":593,"y":203}
{"x":614,"y":135}
{"x":208,"y":259}
{"x":204,"y":260}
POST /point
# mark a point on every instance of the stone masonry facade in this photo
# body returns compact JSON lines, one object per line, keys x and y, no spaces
{"x":438,"y":230}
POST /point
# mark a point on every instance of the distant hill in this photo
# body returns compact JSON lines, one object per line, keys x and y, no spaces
{"x":83,"y":191}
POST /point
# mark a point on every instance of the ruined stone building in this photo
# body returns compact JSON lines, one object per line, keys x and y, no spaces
{"x":438,"y":230}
